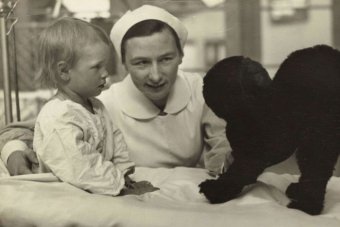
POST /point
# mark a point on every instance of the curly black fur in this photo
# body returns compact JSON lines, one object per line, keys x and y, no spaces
{"x":267,"y":121}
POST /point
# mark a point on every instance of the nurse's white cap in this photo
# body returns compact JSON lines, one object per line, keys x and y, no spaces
{"x":145,"y":12}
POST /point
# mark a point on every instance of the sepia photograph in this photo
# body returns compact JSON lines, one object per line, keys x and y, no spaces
{"x":169,"y":113}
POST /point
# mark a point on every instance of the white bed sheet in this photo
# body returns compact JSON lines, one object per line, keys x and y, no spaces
{"x":41,"y":200}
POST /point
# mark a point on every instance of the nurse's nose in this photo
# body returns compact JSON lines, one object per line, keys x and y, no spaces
{"x":154,"y":75}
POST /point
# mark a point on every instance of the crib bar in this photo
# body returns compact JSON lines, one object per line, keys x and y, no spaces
{"x":4,"y":9}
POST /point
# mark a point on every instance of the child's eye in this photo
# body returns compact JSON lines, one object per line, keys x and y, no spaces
{"x":96,"y":67}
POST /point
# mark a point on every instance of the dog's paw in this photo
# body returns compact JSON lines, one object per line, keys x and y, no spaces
{"x":302,"y":201}
{"x":217,"y":191}
{"x":308,"y":207}
{"x":212,"y":191}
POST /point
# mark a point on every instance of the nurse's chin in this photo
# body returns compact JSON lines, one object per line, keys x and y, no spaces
{"x":157,"y":96}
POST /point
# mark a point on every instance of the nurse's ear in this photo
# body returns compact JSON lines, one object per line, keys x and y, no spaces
{"x":63,"y":71}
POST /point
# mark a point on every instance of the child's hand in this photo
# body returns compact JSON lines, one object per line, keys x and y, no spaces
{"x":128,"y":181}
{"x":138,"y":188}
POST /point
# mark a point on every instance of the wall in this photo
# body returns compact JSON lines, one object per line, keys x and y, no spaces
{"x":280,"y":39}
{"x":277,"y":39}
{"x":203,"y":27}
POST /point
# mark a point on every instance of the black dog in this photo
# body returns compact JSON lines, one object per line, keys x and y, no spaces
{"x":267,"y":121}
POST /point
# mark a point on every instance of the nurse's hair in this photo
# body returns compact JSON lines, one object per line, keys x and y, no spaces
{"x":63,"y":41}
{"x":148,"y":28}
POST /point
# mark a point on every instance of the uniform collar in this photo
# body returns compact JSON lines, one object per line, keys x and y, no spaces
{"x":134,"y":104}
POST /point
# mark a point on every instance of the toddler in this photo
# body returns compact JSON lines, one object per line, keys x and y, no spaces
{"x":74,"y":137}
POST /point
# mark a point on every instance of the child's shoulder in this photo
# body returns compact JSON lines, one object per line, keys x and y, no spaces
{"x":59,"y":108}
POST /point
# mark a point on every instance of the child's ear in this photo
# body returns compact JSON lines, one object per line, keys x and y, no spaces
{"x":63,"y":71}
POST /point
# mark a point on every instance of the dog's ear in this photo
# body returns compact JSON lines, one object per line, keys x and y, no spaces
{"x":221,"y":85}
{"x":235,"y":85}
{"x":255,"y":78}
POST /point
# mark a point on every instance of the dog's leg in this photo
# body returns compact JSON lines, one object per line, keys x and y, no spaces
{"x":316,"y":157}
{"x":278,"y":144}
{"x":229,"y":185}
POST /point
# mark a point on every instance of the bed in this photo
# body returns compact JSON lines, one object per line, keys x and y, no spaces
{"x":41,"y":200}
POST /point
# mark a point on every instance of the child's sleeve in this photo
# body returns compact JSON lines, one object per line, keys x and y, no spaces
{"x":61,"y":146}
{"x":115,"y":140}
{"x":121,"y":154}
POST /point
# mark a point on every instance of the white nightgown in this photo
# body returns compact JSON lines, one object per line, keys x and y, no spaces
{"x":81,"y":148}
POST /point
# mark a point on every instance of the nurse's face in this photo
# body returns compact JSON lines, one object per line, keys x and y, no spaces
{"x":152,"y":62}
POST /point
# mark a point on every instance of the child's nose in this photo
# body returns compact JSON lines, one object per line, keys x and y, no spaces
{"x":104,"y":74}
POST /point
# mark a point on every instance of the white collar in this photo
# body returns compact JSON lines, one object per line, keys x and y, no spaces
{"x":134,"y":104}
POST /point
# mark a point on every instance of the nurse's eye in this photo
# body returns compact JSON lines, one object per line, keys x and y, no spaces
{"x":166,"y":59}
{"x":140,"y":63}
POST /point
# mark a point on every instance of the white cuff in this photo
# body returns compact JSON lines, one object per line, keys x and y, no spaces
{"x":10,"y":147}
{"x":228,"y":161}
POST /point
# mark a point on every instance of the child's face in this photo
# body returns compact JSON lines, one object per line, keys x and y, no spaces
{"x":87,"y":76}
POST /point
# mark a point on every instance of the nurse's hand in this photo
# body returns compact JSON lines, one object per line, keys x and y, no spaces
{"x":22,"y":162}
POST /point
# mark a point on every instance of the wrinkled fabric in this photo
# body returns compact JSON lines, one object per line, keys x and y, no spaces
{"x":81,"y":148}
{"x":16,"y":136}
{"x":40,"y":200}
{"x":187,"y":130}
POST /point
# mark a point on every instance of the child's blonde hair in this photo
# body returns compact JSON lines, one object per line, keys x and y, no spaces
{"x":63,"y":41}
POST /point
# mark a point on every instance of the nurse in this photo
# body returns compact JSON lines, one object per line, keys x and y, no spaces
{"x":160,"y":109}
